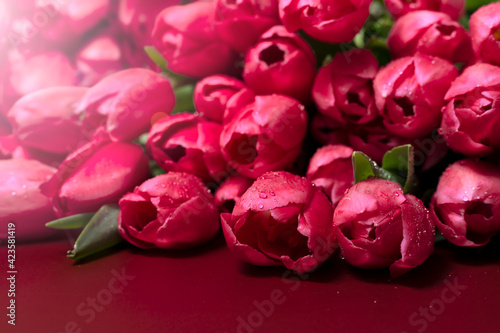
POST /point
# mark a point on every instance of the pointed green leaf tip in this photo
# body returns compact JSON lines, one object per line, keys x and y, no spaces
{"x":397,"y":166}
{"x":399,"y":162}
{"x":362,"y":166}
{"x":71,"y":222}
{"x":157,"y":58}
{"x":100,"y":233}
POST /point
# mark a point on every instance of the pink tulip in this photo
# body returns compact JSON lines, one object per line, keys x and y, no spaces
{"x":47,"y":119}
{"x":471,"y":119}
{"x":379,"y":226}
{"x":170,"y":211}
{"x":22,"y":202}
{"x":325,"y":20}
{"x":97,"y":173}
{"x":188,"y":143}
{"x":127,"y":102}
{"x":330,"y":168}
{"x":466,"y":204}
{"x":281,"y":220}
{"x":186,"y":37}
{"x":280,"y":63}
{"x":409,"y":94}
{"x":484,"y":27}
{"x":264,"y":135}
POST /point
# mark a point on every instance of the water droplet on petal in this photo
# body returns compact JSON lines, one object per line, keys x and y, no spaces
{"x":13,"y":193}
{"x":263,"y":195}
{"x":396,"y":194}
{"x":272,"y":194}
{"x":465,"y":198}
{"x":261,"y":206}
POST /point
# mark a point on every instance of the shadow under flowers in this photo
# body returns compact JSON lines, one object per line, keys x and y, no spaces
{"x":326,"y":273}
{"x":215,"y":244}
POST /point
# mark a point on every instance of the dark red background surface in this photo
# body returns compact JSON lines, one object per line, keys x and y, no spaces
{"x":208,"y":290}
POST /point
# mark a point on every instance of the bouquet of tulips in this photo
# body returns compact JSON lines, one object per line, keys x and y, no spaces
{"x":302,"y":129}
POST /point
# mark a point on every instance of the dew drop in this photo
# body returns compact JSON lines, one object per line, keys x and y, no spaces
{"x":465,"y":198}
{"x":13,"y":193}
{"x":272,"y":194}
{"x":396,"y":194}
{"x":262,"y":195}
{"x":261,"y":206}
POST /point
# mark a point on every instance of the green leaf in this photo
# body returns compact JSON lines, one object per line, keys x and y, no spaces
{"x":71,"y":222}
{"x":100,"y":233}
{"x":362,"y":166}
{"x":157,"y":58}
{"x":472,"y":5}
{"x":184,"y":99}
{"x":365,"y":168}
{"x":380,"y":50}
{"x":176,"y":80}
{"x":399,"y":162}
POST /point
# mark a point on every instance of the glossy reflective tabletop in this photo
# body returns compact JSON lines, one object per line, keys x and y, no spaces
{"x":208,"y":290}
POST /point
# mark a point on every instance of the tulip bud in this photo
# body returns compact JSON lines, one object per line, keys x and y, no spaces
{"x":471,"y":119}
{"x":98,"y":173}
{"x":409,"y":94}
{"x":127,"y":102}
{"x":330,"y":168}
{"x":379,"y":226}
{"x":211,"y":95}
{"x":186,"y":38}
{"x":22,"y":201}
{"x":188,"y":143}
{"x":230,"y":191}
{"x":431,"y":33}
{"x":343,"y":89}
{"x":282,"y":63}
{"x":47,"y":119}
{"x":233,"y":19}
{"x":264,"y":135}
{"x":98,"y":58}
{"x":453,"y":8}
{"x":170,"y":211}
{"x":465,"y":206}
{"x":281,"y":220}
{"x":325,"y":20}
{"x":484,"y":27}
